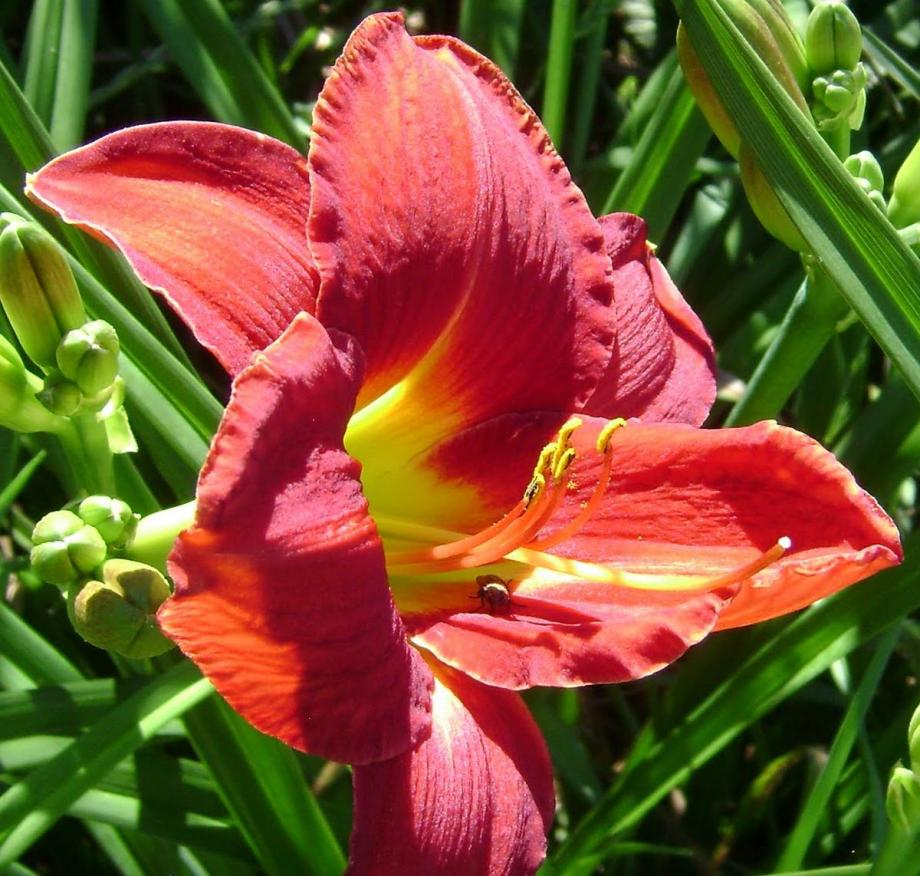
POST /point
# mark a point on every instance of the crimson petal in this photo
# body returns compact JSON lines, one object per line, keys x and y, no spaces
{"x":475,"y":797}
{"x":450,"y":240}
{"x":282,"y":596}
{"x":560,"y":631}
{"x":664,"y":366}
{"x":212,"y":216}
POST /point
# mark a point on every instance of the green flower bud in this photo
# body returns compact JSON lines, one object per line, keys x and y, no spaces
{"x":118,"y":613}
{"x":111,"y":518}
{"x":766,"y":206}
{"x":839,"y":98}
{"x":61,"y":396}
{"x":709,"y":102}
{"x":89,"y":356}
{"x":37,"y":289}
{"x":766,"y":26}
{"x":19,"y":408}
{"x":864,"y":165}
{"x":904,"y":206}
{"x":903,"y":800}
{"x":833,"y":40}
{"x":867,"y":172}
{"x":65,"y":548}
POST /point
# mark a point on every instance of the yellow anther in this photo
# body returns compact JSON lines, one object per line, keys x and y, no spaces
{"x":562,"y":442}
{"x":534,"y":488}
{"x":543,"y":460}
{"x":565,"y":460}
{"x":603,"y":438}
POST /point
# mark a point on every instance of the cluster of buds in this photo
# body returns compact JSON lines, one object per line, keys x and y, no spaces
{"x":903,"y":800}
{"x":821,"y":75}
{"x":111,"y":603}
{"x":833,"y":44}
{"x":78,"y":357}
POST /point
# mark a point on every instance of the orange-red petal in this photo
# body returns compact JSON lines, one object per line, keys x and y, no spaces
{"x":664,"y":366}
{"x":687,"y":502}
{"x":683,"y":504}
{"x":558,"y":630}
{"x":212,"y":216}
{"x":450,"y":240}
{"x":282,"y":596}
{"x":475,"y":797}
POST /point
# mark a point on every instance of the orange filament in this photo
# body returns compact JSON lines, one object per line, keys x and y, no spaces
{"x":513,"y":537}
{"x":600,"y":490}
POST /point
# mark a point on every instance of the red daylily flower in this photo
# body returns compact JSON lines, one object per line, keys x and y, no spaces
{"x":383,"y":552}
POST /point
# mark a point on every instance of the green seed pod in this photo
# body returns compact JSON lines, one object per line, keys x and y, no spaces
{"x":65,"y":548}
{"x":111,"y":518}
{"x":833,"y":39}
{"x":89,"y":356}
{"x":118,"y":613}
{"x":37,"y":289}
{"x":903,"y":800}
{"x":904,"y":206}
{"x":766,"y":206}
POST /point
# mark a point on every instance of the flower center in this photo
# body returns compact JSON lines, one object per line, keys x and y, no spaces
{"x":515,"y":536}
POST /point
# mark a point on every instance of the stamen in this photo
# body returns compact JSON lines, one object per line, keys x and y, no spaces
{"x":562,"y":442}
{"x":600,"y":490}
{"x":641,"y":581}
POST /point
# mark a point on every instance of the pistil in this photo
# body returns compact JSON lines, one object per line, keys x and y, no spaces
{"x":513,"y":538}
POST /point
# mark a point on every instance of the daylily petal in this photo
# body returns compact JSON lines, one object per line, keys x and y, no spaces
{"x":687,"y":502}
{"x":475,"y":797}
{"x":559,"y":631}
{"x":282,"y":596}
{"x":212,"y":216}
{"x":682,"y":504}
{"x":664,"y":366}
{"x":450,"y":239}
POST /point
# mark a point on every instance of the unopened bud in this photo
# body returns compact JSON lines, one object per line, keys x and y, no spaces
{"x":766,"y":206}
{"x":61,"y":396}
{"x":867,"y":172}
{"x":65,"y":548}
{"x":111,"y":518}
{"x":118,"y":613}
{"x":37,"y":289}
{"x":705,"y":95}
{"x":833,"y":40}
{"x":903,"y":800}
{"x":19,"y":408}
{"x":766,"y":26}
{"x":89,"y":356}
{"x":904,"y":206}
{"x":840,"y":98}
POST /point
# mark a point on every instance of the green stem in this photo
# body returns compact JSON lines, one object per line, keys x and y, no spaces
{"x":87,"y":449}
{"x":809,"y":324}
{"x":157,"y":532}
